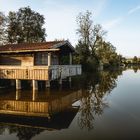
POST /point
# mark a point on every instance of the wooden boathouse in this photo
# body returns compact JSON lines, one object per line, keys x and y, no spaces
{"x":45,"y":61}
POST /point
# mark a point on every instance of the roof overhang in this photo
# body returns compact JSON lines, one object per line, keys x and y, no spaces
{"x":60,"y":46}
{"x":23,"y":51}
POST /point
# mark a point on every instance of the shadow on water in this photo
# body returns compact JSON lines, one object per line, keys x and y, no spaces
{"x":85,"y":95}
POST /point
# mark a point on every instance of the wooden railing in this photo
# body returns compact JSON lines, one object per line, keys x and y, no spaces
{"x":24,"y":73}
{"x":63,"y":71}
{"x":39,"y":72}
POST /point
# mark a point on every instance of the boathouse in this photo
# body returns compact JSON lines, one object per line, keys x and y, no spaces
{"x":45,"y":61}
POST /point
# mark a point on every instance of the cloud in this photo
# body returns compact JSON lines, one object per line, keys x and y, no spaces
{"x":113,"y":23}
{"x":133,"y":10}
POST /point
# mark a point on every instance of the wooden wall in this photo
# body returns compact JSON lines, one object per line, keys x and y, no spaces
{"x":17,"y":60}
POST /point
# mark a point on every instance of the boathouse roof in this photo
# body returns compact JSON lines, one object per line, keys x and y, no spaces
{"x":35,"y":47}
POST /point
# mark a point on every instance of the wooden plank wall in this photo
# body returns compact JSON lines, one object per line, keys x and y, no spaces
{"x":27,"y":73}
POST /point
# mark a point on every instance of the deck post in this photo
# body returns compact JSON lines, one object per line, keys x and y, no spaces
{"x":47,"y":84}
{"x":34,"y":95}
{"x":18,"y":84}
{"x":70,"y":58}
{"x":49,"y":59}
{"x":12,"y":83}
{"x":69,"y":81}
{"x":35,"y":84}
{"x":60,"y":81}
{"x":18,"y":94}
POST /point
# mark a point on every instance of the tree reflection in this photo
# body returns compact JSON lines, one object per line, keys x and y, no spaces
{"x":136,"y":68}
{"x":23,"y":133}
{"x":93,"y":103}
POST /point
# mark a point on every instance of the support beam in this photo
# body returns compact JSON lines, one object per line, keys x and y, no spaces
{"x":60,"y":84}
{"x":49,"y":59}
{"x":34,"y":96}
{"x":47,"y":84}
{"x":70,"y":58}
{"x":35,"y":84}
{"x":60,"y":81}
{"x":18,"y":84}
{"x":70,"y":82}
{"x":18,"y":94}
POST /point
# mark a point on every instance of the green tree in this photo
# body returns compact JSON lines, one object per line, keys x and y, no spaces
{"x":2,"y":28}
{"x":25,"y":25}
{"x":12,"y":28}
{"x":89,"y":36}
{"x":107,"y":55}
{"x":135,"y":60}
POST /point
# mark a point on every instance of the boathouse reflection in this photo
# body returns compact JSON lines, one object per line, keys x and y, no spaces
{"x":36,"y":107}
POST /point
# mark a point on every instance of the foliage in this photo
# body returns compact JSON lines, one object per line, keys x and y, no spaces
{"x":2,"y":28}
{"x":89,"y":36}
{"x":135,"y":60}
{"x":25,"y":25}
{"x":107,"y":55}
{"x":93,"y":102}
{"x":92,"y":50}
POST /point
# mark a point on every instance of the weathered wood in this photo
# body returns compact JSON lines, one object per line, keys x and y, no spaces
{"x":35,"y":85}
{"x":24,"y":73}
{"x":39,"y":72}
{"x":18,"y":84}
{"x":63,"y":71}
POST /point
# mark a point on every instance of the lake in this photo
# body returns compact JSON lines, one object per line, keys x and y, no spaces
{"x":103,"y":105}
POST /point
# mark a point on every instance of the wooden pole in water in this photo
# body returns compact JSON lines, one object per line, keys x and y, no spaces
{"x":35,"y":84}
{"x":18,"y":94}
{"x":18,"y":84}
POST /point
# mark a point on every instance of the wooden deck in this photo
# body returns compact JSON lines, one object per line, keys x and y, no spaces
{"x":39,"y":72}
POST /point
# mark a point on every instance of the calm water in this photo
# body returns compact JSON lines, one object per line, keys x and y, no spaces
{"x":105,"y":105}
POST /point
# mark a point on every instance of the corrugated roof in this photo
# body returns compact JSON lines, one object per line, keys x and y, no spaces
{"x":23,"y":47}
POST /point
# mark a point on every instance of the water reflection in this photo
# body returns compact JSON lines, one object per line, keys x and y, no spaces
{"x":90,"y":90}
{"x":135,"y":68}
{"x":24,"y":133}
{"x":94,"y":102}
{"x":26,"y":128}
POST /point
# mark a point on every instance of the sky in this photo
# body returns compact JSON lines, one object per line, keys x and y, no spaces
{"x":120,"y":18}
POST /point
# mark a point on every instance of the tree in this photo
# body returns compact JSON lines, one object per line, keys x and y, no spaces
{"x":135,"y":60}
{"x":107,"y":55}
{"x":25,"y":25}
{"x":2,"y":28}
{"x":89,"y":37}
{"x":12,"y":28}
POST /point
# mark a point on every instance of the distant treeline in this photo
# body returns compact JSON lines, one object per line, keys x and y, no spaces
{"x":131,"y":61}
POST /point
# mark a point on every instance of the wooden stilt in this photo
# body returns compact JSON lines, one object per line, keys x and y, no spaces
{"x":35,"y":84}
{"x":18,"y":84}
